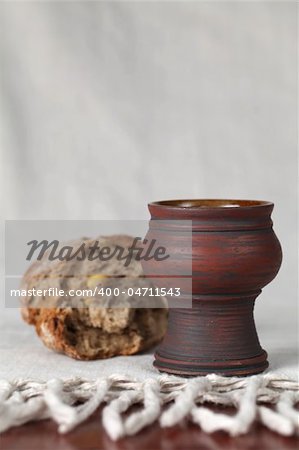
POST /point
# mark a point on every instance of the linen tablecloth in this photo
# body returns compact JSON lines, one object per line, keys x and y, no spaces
{"x":38,"y":383}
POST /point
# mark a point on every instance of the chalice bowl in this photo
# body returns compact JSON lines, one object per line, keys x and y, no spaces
{"x":234,"y":253}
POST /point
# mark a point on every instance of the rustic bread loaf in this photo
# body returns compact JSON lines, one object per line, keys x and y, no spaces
{"x":99,"y":327}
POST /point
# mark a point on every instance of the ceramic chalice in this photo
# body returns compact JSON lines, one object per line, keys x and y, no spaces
{"x":234,"y":254}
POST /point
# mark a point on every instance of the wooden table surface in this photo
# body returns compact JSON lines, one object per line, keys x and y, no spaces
{"x":91,"y":436}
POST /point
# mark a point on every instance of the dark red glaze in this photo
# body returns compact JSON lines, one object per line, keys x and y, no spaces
{"x":235,"y":253}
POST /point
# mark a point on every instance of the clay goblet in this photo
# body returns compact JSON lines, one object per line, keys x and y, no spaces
{"x":234,"y":254}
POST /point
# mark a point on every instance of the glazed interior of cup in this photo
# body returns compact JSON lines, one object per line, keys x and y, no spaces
{"x":211,"y":203}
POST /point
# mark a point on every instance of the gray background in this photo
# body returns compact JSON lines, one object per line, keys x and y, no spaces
{"x":105,"y":106}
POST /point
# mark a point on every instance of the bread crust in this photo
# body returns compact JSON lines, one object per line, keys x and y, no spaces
{"x":97,"y":328}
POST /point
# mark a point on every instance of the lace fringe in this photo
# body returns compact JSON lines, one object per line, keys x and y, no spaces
{"x":269,"y":399}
